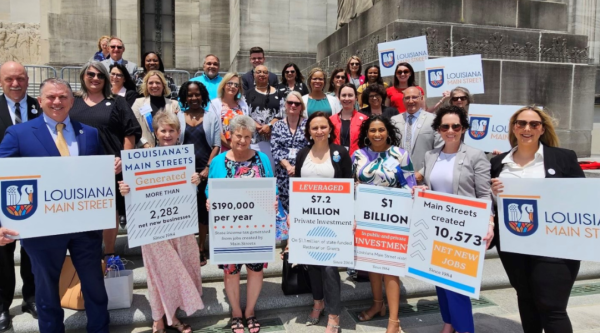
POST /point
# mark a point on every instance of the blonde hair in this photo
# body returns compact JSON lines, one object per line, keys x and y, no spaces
{"x":227,"y":78}
{"x":549,"y":138}
{"x":144,"y":87}
{"x":166,"y":118}
{"x":299,"y":97}
{"x":313,"y":72}
{"x":100,"y":41}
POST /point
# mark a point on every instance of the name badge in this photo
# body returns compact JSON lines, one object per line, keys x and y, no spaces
{"x":391,"y":164}
{"x":145,"y":109}
{"x":292,"y":153}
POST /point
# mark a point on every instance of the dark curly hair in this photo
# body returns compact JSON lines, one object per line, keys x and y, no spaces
{"x":127,"y":80}
{"x":411,"y":79}
{"x":299,"y":77}
{"x":393,"y":132}
{"x":377,"y":88}
{"x":183,"y":93}
{"x":307,"y":127}
{"x":451,"y":109}
{"x":379,"y":78}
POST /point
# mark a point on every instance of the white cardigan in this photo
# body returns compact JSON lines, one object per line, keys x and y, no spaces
{"x":334,"y":103}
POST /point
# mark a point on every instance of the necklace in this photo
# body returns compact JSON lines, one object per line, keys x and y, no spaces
{"x":197,"y":116}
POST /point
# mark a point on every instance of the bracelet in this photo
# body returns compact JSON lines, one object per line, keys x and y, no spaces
{"x":492,"y":223}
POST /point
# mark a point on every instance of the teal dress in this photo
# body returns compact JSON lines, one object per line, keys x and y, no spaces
{"x":315,"y":105}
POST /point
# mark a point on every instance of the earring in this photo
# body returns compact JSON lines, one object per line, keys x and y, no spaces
{"x":328,"y":136}
{"x":311,"y":138}
{"x":388,"y":140}
{"x":367,"y":142}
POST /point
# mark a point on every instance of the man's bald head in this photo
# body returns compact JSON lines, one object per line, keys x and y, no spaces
{"x":14,"y":80}
{"x":412,"y":99}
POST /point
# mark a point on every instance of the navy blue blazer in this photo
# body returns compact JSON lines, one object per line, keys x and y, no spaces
{"x":33,"y":139}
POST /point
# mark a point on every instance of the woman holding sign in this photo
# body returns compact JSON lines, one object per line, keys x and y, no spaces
{"x":381,"y":162}
{"x":173,"y":266}
{"x":323,"y":159}
{"x":242,"y":162}
{"x":543,"y":284}
{"x":458,"y":169}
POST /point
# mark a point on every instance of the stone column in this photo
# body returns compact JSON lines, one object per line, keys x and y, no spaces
{"x":125,"y":23}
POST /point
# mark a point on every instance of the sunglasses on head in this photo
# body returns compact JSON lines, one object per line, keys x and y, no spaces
{"x":403,"y":72}
{"x":116,"y":47}
{"x":446,"y":127}
{"x":290,"y":72}
{"x":459,"y":98}
{"x":534,"y":124}
{"x":290,"y":103}
{"x":92,"y":75}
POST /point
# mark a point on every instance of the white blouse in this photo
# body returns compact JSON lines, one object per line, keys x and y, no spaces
{"x":533,"y":169}
{"x":312,"y":169}
{"x":442,"y":173}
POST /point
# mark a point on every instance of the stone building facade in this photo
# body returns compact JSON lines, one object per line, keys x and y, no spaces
{"x":65,"y":32}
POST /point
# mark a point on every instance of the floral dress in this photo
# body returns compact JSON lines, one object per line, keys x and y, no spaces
{"x":285,"y":146}
{"x":373,"y":168}
{"x":252,"y":168}
{"x":226,"y":115}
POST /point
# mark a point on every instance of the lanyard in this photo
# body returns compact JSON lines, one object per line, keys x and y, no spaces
{"x":297,"y":127}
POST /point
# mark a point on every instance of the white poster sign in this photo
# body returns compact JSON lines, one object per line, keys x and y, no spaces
{"x":242,"y":220}
{"x":489,"y":126}
{"x":45,"y":196}
{"x":382,"y":229}
{"x":162,"y":202}
{"x":321,"y":218}
{"x":446,"y":245}
{"x":444,"y":74}
{"x":536,"y":218}
{"x":410,"y":50}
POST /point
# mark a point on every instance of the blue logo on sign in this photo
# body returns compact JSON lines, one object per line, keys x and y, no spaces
{"x":388,"y":59}
{"x":19,"y":198}
{"x":478,"y":128}
{"x":436,"y":77}
{"x":520,"y":216}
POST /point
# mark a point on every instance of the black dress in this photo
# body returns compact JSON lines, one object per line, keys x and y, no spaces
{"x":197,"y":136}
{"x":283,"y":89}
{"x":114,"y":120}
{"x":263,"y":109}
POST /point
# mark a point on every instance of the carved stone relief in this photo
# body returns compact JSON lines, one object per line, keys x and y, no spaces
{"x":20,"y":42}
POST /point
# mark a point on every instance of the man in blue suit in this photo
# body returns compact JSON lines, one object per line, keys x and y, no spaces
{"x":54,"y":134}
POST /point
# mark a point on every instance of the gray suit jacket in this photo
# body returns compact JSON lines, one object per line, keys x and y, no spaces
{"x":131,"y":66}
{"x":471,"y":177}
{"x":424,"y":137}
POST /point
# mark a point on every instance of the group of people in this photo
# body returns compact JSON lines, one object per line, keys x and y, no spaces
{"x":252,"y":126}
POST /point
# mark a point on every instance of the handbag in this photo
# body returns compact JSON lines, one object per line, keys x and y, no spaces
{"x":281,"y":228}
{"x":119,"y":289}
{"x":69,"y":286}
{"x":295,"y":279}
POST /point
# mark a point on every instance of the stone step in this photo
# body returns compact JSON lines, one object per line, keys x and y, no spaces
{"x":271,"y":298}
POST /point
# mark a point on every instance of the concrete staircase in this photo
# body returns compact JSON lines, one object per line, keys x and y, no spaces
{"x":271,"y":298}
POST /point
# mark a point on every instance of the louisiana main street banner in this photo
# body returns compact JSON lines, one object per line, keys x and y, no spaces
{"x":45,"y":196}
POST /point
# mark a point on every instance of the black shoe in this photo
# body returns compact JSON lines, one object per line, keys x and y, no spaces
{"x":30,"y":308}
{"x":5,"y":321}
{"x":122,"y":221}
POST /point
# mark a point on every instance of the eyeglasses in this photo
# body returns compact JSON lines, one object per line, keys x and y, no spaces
{"x":120,"y":47}
{"x":353,"y":64}
{"x":119,"y":76}
{"x":459,"y":98}
{"x":403,"y":72}
{"x":290,"y":103}
{"x":446,"y":127}
{"x":233,"y":84}
{"x":534,"y":124}
{"x":340,"y":77}
{"x":374,"y":96}
{"x":92,"y":75}
{"x":212,"y":64}
{"x":290,"y":72}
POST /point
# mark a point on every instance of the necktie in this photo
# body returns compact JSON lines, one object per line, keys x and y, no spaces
{"x":18,"y":113}
{"x":408,"y":139}
{"x":61,"y":143}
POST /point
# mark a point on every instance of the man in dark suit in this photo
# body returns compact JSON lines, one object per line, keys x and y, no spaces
{"x":54,"y":134}
{"x":257,"y":57}
{"x":15,"y":107}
